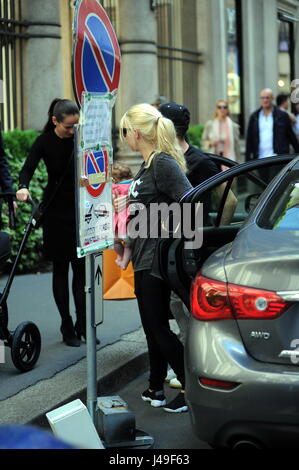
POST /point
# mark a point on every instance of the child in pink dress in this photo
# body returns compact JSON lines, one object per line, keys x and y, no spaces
{"x":122,"y":178}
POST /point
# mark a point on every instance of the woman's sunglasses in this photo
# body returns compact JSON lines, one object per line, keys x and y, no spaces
{"x":124,"y":131}
{"x":222,"y":107}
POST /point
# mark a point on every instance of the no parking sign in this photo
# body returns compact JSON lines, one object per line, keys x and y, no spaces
{"x":96,"y":55}
{"x":96,"y":165}
{"x":96,"y":74}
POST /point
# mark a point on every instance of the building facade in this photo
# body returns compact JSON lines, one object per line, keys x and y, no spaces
{"x":189,"y":51}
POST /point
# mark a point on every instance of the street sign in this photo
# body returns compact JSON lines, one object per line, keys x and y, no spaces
{"x":96,"y":74}
{"x":93,"y":175}
{"x":96,"y":171}
{"x":98,"y":288}
{"x":96,"y":52}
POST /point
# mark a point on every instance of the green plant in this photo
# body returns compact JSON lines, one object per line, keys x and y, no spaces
{"x":17,"y":144}
{"x":194,"y":134}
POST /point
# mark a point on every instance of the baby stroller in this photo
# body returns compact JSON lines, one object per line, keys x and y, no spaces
{"x":25,"y":341}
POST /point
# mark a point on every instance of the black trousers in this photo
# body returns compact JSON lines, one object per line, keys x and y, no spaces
{"x":61,"y":289}
{"x":164,"y":347}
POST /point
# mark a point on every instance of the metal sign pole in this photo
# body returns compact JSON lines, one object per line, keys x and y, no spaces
{"x":94,"y":198}
{"x":91,"y":338}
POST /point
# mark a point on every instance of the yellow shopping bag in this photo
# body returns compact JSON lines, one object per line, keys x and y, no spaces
{"x":117,"y":284}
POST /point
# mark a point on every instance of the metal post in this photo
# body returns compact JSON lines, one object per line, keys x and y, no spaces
{"x":91,"y":338}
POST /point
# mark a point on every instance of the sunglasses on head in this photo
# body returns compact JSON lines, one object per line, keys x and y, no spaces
{"x":222,"y":106}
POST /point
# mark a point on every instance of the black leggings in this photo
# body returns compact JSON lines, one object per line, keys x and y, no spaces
{"x":61,"y":287}
{"x":164,"y":347}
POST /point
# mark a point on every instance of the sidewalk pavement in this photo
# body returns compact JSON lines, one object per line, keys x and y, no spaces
{"x":60,"y":374}
{"x":117,"y":364}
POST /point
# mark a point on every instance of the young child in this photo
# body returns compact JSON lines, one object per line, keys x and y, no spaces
{"x":122,"y":179}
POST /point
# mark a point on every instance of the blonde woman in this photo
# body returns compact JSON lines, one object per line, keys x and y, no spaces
{"x":161,"y":179}
{"x":221,"y":134}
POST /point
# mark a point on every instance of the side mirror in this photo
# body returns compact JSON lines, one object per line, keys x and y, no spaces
{"x":251,"y":202}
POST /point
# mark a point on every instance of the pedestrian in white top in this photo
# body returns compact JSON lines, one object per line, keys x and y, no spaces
{"x":269,"y":130}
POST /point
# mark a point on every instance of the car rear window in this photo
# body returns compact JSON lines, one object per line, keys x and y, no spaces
{"x":282,"y":210}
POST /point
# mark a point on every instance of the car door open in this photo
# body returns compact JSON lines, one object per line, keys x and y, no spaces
{"x":224,"y":199}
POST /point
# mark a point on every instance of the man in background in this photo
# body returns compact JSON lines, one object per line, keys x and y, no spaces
{"x":199,"y":168}
{"x":269,"y":130}
{"x":282,"y":102}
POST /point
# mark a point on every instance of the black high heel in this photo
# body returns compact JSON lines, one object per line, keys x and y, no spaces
{"x":68,"y":333}
{"x":82,"y":334}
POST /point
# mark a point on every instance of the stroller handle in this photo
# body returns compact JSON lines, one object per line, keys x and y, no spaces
{"x":9,"y":198}
{"x":32,"y":203}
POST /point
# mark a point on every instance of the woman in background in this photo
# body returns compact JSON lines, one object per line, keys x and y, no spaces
{"x":221,"y":134}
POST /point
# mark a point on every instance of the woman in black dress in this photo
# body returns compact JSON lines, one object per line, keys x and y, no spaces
{"x":55,"y":147}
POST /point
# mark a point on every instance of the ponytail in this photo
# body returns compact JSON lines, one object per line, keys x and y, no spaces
{"x":156,"y":129}
{"x":60,"y":108}
{"x":49,"y":124}
{"x":167,"y":141}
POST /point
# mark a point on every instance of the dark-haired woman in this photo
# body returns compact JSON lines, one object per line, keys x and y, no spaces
{"x":55,"y":147}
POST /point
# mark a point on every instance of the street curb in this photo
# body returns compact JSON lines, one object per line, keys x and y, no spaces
{"x":107,"y":385}
{"x":117,"y":364}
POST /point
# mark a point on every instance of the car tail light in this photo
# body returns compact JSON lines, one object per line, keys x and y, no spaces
{"x":209,"y":300}
{"x":215,"y":300}
{"x":221,"y":384}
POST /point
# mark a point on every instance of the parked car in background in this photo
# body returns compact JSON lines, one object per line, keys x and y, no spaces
{"x":242,"y":374}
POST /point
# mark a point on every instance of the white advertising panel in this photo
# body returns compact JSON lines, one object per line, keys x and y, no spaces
{"x":94,"y":158}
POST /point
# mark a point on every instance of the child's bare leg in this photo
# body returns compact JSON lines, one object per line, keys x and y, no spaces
{"x":126,"y":257}
{"x":119,"y":248}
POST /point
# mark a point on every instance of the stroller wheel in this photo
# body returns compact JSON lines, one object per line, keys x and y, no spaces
{"x":25,"y":346}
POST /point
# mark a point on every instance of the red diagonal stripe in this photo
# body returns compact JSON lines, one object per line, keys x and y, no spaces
{"x":95,"y":164}
{"x":99,"y":58}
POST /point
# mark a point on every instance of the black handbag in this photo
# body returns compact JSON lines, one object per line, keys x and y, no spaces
{"x":39,"y":212}
{"x":38,"y":215}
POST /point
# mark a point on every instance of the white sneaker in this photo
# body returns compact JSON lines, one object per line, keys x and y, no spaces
{"x":175,"y":383}
{"x":170,"y":375}
{"x":156,"y":399}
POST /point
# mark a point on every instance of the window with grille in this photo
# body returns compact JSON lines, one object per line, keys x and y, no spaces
{"x":178,"y":57}
{"x":11,"y":108}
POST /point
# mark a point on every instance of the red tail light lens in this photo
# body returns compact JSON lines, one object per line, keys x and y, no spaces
{"x":255,"y":303}
{"x":214,"y":300}
{"x":221,"y":384}
{"x":209,"y":300}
